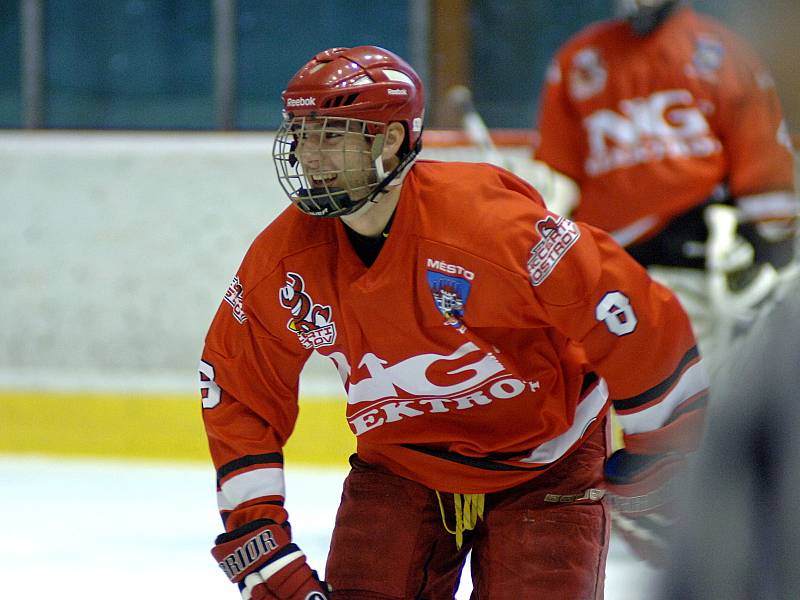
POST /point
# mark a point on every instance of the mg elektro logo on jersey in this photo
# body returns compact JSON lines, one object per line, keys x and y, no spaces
{"x":425,"y":384}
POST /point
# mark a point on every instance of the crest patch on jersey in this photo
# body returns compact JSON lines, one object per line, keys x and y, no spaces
{"x":450,"y":295}
{"x":558,"y":235}
{"x":587,"y":74}
{"x":312,"y":323}
{"x":234,"y":296}
{"x":708,"y":55}
{"x":783,"y":136}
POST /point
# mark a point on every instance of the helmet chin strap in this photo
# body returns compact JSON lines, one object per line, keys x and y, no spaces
{"x":377,"y":156}
{"x":392,"y":180}
{"x":396,"y":176}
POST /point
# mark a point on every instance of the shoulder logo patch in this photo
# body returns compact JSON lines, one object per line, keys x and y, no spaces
{"x":234,"y":296}
{"x":587,"y":75}
{"x":558,"y":235}
{"x":708,"y":56}
{"x":312,"y":323}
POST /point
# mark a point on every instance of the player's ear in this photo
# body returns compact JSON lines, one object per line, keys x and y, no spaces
{"x":395,"y":134}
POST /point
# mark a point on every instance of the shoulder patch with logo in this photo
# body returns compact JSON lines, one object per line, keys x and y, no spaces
{"x":558,"y":234}
{"x":234,"y":296}
{"x":312,"y":323}
{"x":587,"y":75}
{"x":708,"y":55}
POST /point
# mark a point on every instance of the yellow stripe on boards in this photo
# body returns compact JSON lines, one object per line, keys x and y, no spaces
{"x":321,"y":435}
{"x":151,"y":426}
{"x":94,"y":424}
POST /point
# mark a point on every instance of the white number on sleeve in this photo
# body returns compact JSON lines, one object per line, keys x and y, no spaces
{"x":209,"y":390}
{"x":616,"y":311}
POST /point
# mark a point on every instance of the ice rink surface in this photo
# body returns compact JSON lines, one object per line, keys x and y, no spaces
{"x":94,"y":530}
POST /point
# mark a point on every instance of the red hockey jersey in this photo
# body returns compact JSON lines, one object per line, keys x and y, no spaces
{"x":482,"y":346}
{"x":649,"y":126}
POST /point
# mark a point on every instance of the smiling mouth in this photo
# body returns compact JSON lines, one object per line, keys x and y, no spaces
{"x":322,"y":180}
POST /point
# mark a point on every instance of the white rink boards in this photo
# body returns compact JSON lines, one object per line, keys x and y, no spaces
{"x":118,"y":248}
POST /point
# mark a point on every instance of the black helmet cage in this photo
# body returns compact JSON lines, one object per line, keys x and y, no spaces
{"x":356,"y":184}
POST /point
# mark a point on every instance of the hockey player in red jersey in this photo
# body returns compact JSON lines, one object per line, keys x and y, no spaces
{"x":480,"y":340}
{"x":658,"y":115}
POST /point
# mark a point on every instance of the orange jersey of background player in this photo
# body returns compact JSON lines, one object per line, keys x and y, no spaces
{"x":649,"y":126}
{"x":485,"y":342}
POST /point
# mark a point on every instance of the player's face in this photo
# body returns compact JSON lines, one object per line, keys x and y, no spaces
{"x":336,"y":154}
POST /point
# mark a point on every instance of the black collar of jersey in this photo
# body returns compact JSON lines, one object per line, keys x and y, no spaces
{"x":366,"y":247}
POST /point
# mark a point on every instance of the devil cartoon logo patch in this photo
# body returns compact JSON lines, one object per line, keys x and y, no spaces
{"x":312,"y":323}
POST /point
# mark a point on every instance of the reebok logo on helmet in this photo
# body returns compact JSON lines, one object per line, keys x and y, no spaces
{"x":292,"y":102}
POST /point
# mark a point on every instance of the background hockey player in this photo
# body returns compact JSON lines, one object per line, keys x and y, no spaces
{"x":731,"y":545}
{"x":480,"y":340}
{"x":657,"y":116}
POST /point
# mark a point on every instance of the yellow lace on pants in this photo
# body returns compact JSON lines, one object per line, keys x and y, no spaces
{"x":468,"y":509}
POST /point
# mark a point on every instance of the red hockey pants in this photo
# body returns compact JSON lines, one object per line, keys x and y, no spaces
{"x":389,"y":542}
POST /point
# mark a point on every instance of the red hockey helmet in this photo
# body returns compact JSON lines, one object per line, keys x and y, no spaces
{"x":365,"y":82}
{"x":347,"y":89}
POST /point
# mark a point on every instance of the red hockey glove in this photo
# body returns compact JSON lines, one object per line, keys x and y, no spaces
{"x":643,"y":491}
{"x":267,"y":566}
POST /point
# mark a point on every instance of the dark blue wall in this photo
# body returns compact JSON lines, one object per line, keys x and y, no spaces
{"x":141,"y":64}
